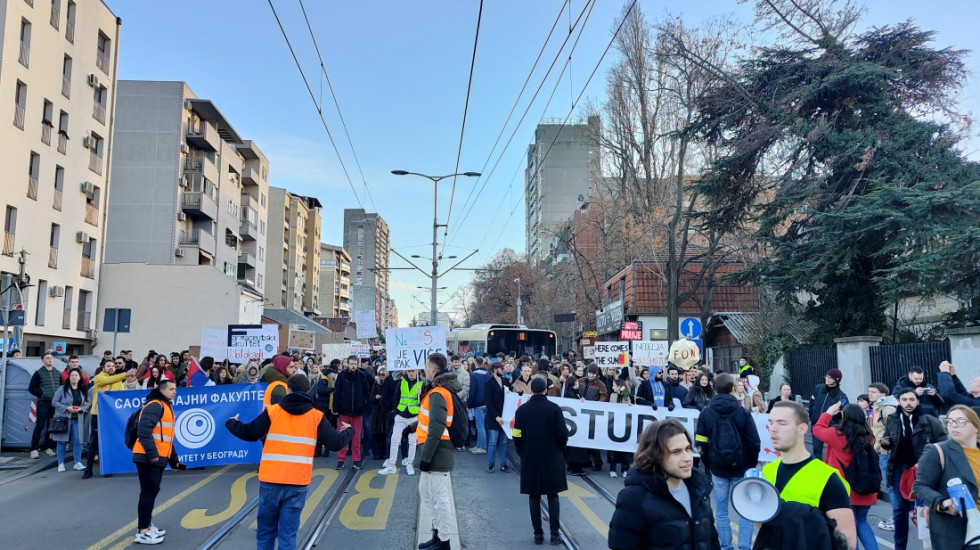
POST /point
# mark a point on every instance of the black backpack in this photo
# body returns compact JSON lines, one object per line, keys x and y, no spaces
{"x":459,"y":430}
{"x":132,"y":428}
{"x":863,"y":473}
{"x":726,"y":444}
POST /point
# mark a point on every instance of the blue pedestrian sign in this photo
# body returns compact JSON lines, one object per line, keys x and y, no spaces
{"x":691,"y":327}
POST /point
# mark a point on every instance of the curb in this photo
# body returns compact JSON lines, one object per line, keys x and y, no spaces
{"x":42,"y":464}
{"x":423,"y":531}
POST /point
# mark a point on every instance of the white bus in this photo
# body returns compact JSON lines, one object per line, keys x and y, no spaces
{"x":492,"y":339}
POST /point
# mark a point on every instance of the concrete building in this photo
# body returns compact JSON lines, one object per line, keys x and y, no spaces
{"x":367,"y":240}
{"x":58,"y":77}
{"x":334,"y":281}
{"x":560,"y":164}
{"x":293,"y":244}
{"x":187,"y":218}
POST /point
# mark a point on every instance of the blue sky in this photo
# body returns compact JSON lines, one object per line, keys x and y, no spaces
{"x":399,"y":70}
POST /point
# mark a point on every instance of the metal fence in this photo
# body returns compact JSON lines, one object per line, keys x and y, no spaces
{"x":890,"y":363}
{"x":807,"y":368}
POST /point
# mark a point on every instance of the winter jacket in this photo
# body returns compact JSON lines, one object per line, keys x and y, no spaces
{"x":644,"y":394}
{"x":62,"y":400}
{"x":463,"y":377}
{"x":880,"y":411}
{"x":648,"y":517}
{"x":563,"y":389}
{"x":521,"y":386}
{"x":775,"y":400}
{"x":925,"y":429}
{"x":105,"y":382}
{"x":540,"y":436}
{"x":839,"y":456}
{"x":945,"y":531}
{"x":725,"y":408}
{"x":822,"y":398}
{"x":952,"y":390}
{"x":351,"y":392}
{"x":798,"y":526}
{"x":930,"y":404}
{"x":152,"y":413}
{"x":44,"y":383}
{"x":698,"y":398}
{"x":85,"y":378}
{"x":389,"y":392}
{"x":323,"y":392}
{"x":494,"y":393}
{"x":677,"y":391}
{"x":438,"y":452}
{"x":592,"y":391}
{"x":269,"y":375}
{"x":477,"y":380}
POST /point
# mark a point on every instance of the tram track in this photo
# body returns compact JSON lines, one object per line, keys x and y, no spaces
{"x":603,"y":492}
{"x":566,"y":535}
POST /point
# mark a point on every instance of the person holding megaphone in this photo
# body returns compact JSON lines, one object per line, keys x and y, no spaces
{"x":947,"y":483}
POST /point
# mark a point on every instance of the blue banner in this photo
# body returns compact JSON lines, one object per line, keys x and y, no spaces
{"x":200,"y":436}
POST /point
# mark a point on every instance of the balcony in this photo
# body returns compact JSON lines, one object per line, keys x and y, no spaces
{"x":62,"y":143}
{"x":95,"y":162}
{"x":247,"y":258}
{"x":248,"y":231}
{"x":32,"y":188}
{"x":8,"y":244}
{"x":70,"y":31}
{"x":56,"y":203}
{"x":88,"y":268}
{"x":46,"y":134}
{"x":53,"y":258}
{"x":25,"y":54}
{"x":198,"y":238}
{"x":91,"y":215}
{"x":98,"y":112}
{"x":84,"y":320}
{"x":200,"y":164}
{"x":202,"y":135}
{"x":199,"y":205}
{"x":19,"y":115}
{"x":251,"y":174}
{"x":102,"y":62}
{"x":66,"y":87}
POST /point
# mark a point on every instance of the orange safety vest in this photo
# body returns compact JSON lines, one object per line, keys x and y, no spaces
{"x":287,"y":455}
{"x":422,"y":432}
{"x":267,"y":398}
{"x":163,"y":432}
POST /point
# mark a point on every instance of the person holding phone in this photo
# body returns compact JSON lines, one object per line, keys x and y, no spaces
{"x":824,"y":396}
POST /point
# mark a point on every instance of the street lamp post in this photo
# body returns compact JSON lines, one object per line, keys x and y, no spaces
{"x":519,"y":320}
{"x":434,"y":298}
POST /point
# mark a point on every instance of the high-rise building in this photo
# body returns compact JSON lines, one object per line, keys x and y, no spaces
{"x":560,"y":165}
{"x":293,"y":243}
{"x":58,"y":76}
{"x":334,"y":281}
{"x":367,"y":240}
{"x":187,"y":217}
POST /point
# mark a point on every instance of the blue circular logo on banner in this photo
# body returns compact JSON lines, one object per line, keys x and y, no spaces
{"x":195,"y":428}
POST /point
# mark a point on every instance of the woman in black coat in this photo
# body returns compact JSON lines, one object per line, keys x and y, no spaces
{"x":700,"y":393}
{"x":647,"y":515}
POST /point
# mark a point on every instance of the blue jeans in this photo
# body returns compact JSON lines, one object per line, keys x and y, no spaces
{"x":866,"y":534}
{"x":883,"y":464}
{"x":76,"y":443}
{"x":280,"y":507}
{"x":722,"y":492}
{"x":498,"y":446}
{"x":900,"y":509}
{"x":479,"y":417}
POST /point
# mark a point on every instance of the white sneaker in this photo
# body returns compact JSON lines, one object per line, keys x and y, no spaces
{"x":387,"y":471}
{"x":405,"y":462}
{"x":410,"y":470}
{"x":79,"y":467}
{"x":49,"y":452}
{"x":61,"y":467}
{"x":613,"y":475}
{"x":157,"y":531}
{"x":148,"y":538}
{"x":35,"y":455}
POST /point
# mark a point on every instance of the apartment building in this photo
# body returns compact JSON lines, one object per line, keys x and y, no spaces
{"x":334,"y":281}
{"x":293,"y":245}
{"x":559,"y":169}
{"x":187,"y":219}
{"x":368,"y":241}
{"x":58,"y":78}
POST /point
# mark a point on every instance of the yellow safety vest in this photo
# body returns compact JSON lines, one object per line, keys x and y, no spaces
{"x":806,"y":485}
{"x":409,"y":397}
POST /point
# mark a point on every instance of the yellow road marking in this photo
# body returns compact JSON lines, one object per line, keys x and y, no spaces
{"x":122,"y":532}
{"x":351,"y":517}
{"x":198,"y":518}
{"x":575,"y":494}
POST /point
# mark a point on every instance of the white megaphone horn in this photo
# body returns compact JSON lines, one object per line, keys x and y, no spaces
{"x":754,"y":498}
{"x":963,"y":500}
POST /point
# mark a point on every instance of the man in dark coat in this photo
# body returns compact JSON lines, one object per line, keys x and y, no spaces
{"x":493,"y":391}
{"x":540,"y":435}
{"x":825,"y":395}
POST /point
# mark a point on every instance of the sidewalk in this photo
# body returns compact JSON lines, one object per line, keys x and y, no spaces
{"x":18,"y":464}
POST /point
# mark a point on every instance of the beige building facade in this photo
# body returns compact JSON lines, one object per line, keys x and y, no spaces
{"x":334,"y":281}
{"x":293,"y":245}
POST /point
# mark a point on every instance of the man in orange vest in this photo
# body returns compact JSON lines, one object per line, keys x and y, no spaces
{"x":436,"y":454}
{"x":154,"y":449}
{"x":292,"y":429}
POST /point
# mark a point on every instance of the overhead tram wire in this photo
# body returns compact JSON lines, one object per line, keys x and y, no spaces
{"x":462,"y":130}
{"x":323,"y":70}
{"x":570,"y":111}
{"x":586,"y":12}
{"x":519,"y":95}
{"x":316,"y":104}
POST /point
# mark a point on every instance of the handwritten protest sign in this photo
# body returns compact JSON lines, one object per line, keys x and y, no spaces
{"x":408,"y":348}
{"x":612,"y":354}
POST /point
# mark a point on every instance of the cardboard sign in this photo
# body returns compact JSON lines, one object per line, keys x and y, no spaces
{"x":612,"y":354}
{"x":366,"y":323}
{"x":336,"y":351}
{"x":408,"y":348}
{"x":650,"y":352}
{"x":301,"y":339}
{"x":214,"y":343}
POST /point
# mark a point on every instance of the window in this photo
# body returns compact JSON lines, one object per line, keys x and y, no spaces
{"x":25,"y":43}
{"x":55,"y":236}
{"x":46,"y":117}
{"x":84,"y":310}
{"x":99,"y":103}
{"x":232,"y":207}
{"x":66,"y":77}
{"x":262,"y":199}
{"x":102,"y":59}
{"x":59,"y":185}
{"x":230,"y":270}
{"x":258,"y":280}
{"x":20,"y":104}
{"x":230,"y":239}
{"x":261,"y":227}
{"x":42,"y":302}
{"x":261,"y":254}
{"x":34,"y":171}
{"x":56,"y":14}
{"x":66,"y":314}
{"x":70,"y":23}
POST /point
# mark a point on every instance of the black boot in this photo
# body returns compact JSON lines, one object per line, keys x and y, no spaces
{"x":431,"y":543}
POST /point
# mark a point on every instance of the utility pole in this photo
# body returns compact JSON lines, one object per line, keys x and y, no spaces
{"x":520,"y":321}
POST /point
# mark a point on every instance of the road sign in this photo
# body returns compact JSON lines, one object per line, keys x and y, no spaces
{"x":691,"y":327}
{"x":117,"y":320}
{"x":59,"y":347}
{"x":13,"y":318}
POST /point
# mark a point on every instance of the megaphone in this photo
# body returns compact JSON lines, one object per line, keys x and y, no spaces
{"x":960,"y":495}
{"x":754,"y":498}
